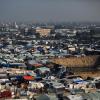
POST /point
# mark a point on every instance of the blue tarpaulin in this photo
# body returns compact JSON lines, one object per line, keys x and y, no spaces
{"x":19,"y":77}
{"x":79,"y":81}
{"x":40,"y":49}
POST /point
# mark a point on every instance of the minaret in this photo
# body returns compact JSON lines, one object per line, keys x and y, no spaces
{"x":16,"y":26}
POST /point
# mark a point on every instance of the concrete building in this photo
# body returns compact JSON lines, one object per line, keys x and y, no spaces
{"x":43,"y":31}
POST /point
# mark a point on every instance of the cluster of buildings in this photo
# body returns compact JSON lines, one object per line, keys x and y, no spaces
{"x":47,"y":62}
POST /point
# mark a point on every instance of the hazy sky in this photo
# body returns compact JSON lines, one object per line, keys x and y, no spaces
{"x":50,"y":10}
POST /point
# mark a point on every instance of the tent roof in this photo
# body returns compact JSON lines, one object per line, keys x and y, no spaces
{"x":43,"y":69}
{"x":28,"y":77}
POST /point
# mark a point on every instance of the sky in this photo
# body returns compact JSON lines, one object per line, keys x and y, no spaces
{"x":50,"y":10}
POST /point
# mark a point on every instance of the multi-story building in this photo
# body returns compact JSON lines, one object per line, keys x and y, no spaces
{"x":43,"y":31}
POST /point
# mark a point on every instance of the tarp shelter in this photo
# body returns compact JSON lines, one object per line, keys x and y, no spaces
{"x":79,"y":81}
{"x":5,"y":94}
{"x":40,"y":49}
{"x":37,"y":85}
{"x":37,"y":65}
{"x":31,"y":62}
{"x":29,"y":78}
{"x":3,"y":75}
{"x":31,"y":74}
{"x":38,"y":78}
{"x":74,"y":97}
{"x":19,"y":77}
{"x":43,"y":69}
{"x":4,"y":80}
{"x":37,"y":55}
{"x":17,"y":65}
{"x":32,"y":67}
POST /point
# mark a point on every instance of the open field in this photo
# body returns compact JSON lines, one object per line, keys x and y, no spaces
{"x":85,"y":61}
{"x":88,"y":74}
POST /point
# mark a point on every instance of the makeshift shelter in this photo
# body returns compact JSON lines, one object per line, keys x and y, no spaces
{"x":32,"y":64}
{"x":79,"y":80}
{"x":31,"y":74}
{"x":37,"y":55}
{"x":43,"y":69}
{"x":5,"y":94}
{"x":17,"y":65}
{"x":40,"y":49}
{"x":74,"y":97}
{"x":3,"y":75}
{"x":28,"y":78}
{"x":19,"y":77}
{"x":4,"y":80}
{"x":38,"y":78}
{"x":37,"y":85}
{"x":37,"y":65}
